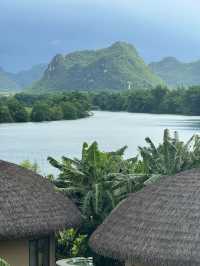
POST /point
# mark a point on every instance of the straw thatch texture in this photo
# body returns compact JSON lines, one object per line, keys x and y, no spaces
{"x":159,"y":225}
{"x":29,"y":205}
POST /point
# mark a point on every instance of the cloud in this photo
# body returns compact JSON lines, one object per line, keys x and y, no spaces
{"x":55,"y":42}
{"x":157,"y":28}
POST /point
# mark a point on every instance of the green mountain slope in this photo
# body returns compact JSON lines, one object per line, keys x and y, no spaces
{"x":27,"y":77}
{"x":116,"y":67}
{"x":12,"y":82}
{"x":6,"y":83}
{"x":175,"y":73}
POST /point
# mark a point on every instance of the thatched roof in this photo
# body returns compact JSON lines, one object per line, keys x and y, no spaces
{"x":29,"y":205}
{"x":159,"y":225}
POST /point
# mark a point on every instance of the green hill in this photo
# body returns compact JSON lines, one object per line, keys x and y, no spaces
{"x":27,"y":77}
{"x":175,"y":73}
{"x":12,"y":82}
{"x":6,"y":83}
{"x":117,"y":67}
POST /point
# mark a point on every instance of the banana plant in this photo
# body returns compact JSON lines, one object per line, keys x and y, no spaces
{"x":98,"y":181}
{"x":171,"y":156}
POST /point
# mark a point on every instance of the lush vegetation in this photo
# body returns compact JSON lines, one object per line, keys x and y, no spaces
{"x":30,"y":166}
{"x":176,"y":73}
{"x":160,"y":100}
{"x":24,"y":107}
{"x":63,"y":106}
{"x":98,"y":181}
{"x":117,"y":67}
{"x":171,"y":156}
{"x":47,"y":107}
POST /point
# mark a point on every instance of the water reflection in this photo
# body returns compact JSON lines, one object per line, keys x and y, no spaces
{"x":187,"y":124}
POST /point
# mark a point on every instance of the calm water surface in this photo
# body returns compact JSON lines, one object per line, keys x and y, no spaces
{"x":37,"y":141}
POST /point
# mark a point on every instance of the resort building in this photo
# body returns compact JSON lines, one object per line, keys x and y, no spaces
{"x":31,"y":211}
{"x":159,"y":225}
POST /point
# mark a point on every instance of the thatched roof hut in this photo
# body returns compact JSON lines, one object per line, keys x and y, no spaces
{"x":159,"y":225}
{"x":29,"y":205}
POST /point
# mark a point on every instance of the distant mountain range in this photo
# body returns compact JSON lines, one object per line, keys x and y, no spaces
{"x":176,"y":73}
{"x":12,"y":82}
{"x":118,"y":67}
{"x":6,"y":83}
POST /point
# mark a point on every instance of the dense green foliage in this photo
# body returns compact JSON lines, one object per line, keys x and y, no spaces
{"x":100,"y":180}
{"x":24,"y":107}
{"x":11,"y":82}
{"x":12,"y":111}
{"x":96,"y":183}
{"x":159,"y":100}
{"x":117,"y":67}
{"x":50,"y":107}
{"x":171,"y":156}
{"x":70,"y":243}
{"x":176,"y":73}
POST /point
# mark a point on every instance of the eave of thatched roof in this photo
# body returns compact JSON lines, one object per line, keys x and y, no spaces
{"x":159,"y":225}
{"x":30,"y":206}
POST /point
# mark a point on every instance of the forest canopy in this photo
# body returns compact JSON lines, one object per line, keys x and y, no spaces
{"x":36,"y":108}
{"x":160,"y":100}
{"x":74,"y":105}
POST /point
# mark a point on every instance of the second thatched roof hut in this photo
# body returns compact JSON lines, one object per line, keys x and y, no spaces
{"x":159,"y":225}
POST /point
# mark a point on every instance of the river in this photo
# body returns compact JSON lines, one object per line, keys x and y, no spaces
{"x":112,"y":130}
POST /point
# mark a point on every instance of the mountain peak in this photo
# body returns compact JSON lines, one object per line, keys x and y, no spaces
{"x":170,"y":59}
{"x":124,"y":46}
{"x":121,"y":44}
{"x":177,"y":73}
{"x":57,"y":59}
{"x":117,"y":67}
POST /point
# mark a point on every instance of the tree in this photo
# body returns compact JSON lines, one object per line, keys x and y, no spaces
{"x":56,"y":113}
{"x":173,"y":103}
{"x":69,"y":111}
{"x":97,"y":182}
{"x":192,"y":100}
{"x":41,"y":112}
{"x":70,"y":243}
{"x":171,"y":156}
{"x":17,"y":111}
{"x":5,"y":116}
{"x":159,"y":94}
{"x":139,"y":101}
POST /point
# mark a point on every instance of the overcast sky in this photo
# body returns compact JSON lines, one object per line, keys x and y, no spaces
{"x":33,"y":31}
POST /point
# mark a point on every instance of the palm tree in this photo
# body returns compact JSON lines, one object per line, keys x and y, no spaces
{"x":172,"y":156}
{"x":98,"y":181}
